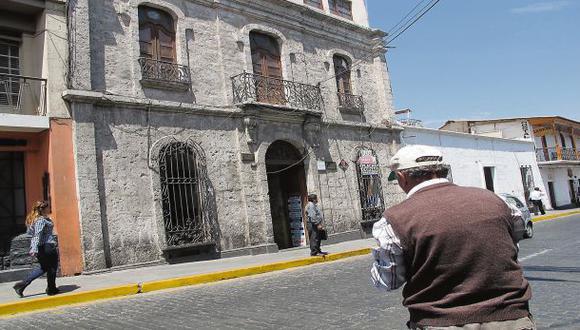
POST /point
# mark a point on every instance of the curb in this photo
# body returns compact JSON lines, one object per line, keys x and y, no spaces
{"x":554,"y":216}
{"x":44,"y":303}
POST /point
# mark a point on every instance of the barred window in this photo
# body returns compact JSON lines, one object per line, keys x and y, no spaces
{"x":314,"y":3}
{"x":156,"y":34}
{"x":370,"y":186}
{"x":180,"y":192}
{"x":341,"y":8}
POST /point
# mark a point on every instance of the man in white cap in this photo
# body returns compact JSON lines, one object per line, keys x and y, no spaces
{"x":454,"y":247}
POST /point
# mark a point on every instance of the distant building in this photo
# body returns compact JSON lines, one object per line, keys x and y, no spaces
{"x":556,"y":142}
{"x":497,"y":164}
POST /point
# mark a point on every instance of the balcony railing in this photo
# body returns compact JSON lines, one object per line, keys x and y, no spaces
{"x":351,"y":103}
{"x":164,"y":74}
{"x":410,"y":122}
{"x":22,"y":95}
{"x":250,"y":87}
{"x":556,"y":153}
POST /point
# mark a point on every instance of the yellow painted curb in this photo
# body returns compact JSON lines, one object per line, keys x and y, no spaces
{"x":30,"y":305}
{"x":242,"y":272}
{"x":554,"y":216}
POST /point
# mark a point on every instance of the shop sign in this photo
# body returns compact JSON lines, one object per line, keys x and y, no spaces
{"x":367,"y":162}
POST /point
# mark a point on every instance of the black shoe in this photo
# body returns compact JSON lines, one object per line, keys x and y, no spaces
{"x":19,"y":288}
{"x":313,"y":254}
{"x":322,"y":253}
{"x":52,"y":292}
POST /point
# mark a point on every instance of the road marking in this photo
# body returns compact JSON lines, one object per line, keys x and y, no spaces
{"x":534,"y":255}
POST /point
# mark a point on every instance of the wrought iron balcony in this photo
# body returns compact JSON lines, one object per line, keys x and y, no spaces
{"x":350,"y":102}
{"x":164,"y":74}
{"x":250,"y":87}
{"x":22,"y":95}
{"x":556,"y":153}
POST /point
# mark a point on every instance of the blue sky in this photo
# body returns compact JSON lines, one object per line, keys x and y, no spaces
{"x":470,"y":59}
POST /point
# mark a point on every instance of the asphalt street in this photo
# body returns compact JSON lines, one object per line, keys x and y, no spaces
{"x":334,"y":296}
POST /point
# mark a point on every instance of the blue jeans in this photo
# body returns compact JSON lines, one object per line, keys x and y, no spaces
{"x":48,"y":258}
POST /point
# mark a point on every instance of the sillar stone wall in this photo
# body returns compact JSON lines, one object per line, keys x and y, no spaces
{"x":120,"y":124}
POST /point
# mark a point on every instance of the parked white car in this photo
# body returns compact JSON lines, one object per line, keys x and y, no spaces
{"x":526,"y":215}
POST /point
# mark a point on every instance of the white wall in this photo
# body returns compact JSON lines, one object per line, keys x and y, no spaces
{"x":359,"y":11}
{"x":508,"y":130}
{"x":560,"y":179}
{"x":468,"y":154}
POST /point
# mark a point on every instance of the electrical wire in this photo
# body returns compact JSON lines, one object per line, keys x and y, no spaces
{"x":387,"y":41}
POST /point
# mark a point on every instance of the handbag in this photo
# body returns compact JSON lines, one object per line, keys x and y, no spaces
{"x":323,"y":234}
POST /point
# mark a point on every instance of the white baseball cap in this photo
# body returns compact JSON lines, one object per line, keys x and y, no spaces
{"x":414,"y":156}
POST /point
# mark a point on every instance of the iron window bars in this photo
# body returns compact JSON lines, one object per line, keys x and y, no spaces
{"x":184,"y":194}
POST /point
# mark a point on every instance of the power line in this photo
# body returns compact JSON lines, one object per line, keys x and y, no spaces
{"x":423,"y":13}
{"x":405,"y":17}
{"x":387,"y":41}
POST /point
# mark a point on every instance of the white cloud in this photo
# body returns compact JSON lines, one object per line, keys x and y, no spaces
{"x":541,"y":7}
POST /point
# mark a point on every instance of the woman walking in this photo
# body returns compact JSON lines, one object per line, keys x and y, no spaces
{"x":43,"y":247}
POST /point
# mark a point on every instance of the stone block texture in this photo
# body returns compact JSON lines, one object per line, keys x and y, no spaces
{"x":121,"y":130}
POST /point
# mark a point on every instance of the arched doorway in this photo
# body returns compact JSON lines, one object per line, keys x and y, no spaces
{"x":287,"y":192}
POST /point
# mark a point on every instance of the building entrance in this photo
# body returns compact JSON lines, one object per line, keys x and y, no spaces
{"x":12,"y":199}
{"x":287,"y":192}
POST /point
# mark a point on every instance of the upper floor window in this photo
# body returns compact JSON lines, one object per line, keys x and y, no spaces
{"x":342,"y":74}
{"x":267,"y":65}
{"x":156,"y":34}
{"x":9,"y":64}
{"x":341,"y":8}
{"x":314,"y":3}
{"x":265,"y":55}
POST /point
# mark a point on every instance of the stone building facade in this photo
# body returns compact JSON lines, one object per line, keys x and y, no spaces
{"x":201,"y":125}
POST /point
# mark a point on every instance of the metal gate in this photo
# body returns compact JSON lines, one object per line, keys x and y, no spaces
{"x":370,"y":186}
{"x":183,"y":185}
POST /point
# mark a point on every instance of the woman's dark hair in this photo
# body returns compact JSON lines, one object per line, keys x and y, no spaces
{"x":312,"y":197}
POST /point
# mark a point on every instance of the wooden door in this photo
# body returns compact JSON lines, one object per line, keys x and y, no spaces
{"x":267,"y":65}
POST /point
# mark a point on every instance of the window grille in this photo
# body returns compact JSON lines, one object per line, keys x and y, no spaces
{"x":370,"y":186}
{"x":9,"y":64}
{"x":182,"y":192}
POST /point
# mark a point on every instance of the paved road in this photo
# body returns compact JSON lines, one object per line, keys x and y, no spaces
{"x":334,"y":295}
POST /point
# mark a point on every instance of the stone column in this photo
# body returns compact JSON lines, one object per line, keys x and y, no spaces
{"x":93,"y":243}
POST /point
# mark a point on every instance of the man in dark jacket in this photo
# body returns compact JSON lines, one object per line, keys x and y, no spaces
{"x":454,"y":247}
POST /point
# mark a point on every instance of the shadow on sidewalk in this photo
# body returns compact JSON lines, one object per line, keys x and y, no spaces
{"x":68,"y":288}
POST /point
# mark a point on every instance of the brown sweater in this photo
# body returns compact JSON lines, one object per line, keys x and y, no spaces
{"x":461,"y":260}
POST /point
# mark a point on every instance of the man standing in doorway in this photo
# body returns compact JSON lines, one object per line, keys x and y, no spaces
{"x":536,"y":198}
{"x":455,"y":247}
{"x":314,"y":225}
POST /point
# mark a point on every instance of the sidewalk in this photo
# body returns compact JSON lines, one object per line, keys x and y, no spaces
{"x":164,"y":276}
{"x":554,"y":214}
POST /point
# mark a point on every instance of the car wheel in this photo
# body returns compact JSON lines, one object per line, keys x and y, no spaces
{"x":529,"y":231}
